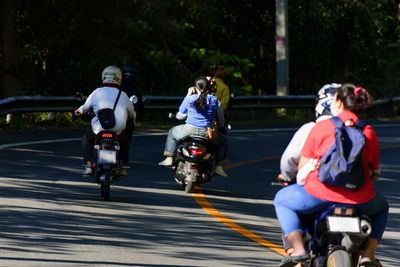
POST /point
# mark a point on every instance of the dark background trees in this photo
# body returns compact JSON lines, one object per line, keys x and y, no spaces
{"x":64,"y":45}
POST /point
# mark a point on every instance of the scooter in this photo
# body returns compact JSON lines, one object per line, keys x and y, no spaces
{"x":339,"y":231}
{"x":333,"y":235}
{"x":193,"y":163}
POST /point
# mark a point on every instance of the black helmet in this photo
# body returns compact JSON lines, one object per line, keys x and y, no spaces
{"x":128,"y":72}
{"x":205,"y":84}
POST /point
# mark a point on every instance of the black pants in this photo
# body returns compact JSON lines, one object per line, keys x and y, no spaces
{"x":224,"y":128}
{"x":130,"y":126}
{"x":89,"y":138}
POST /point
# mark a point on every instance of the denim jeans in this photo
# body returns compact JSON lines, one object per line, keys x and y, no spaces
{"x":179,"y":132}
{"x":293,"y":200}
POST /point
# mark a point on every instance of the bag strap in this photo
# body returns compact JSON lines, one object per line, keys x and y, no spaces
{"x":360,"y":124}
{"x":337,"y":121}
{"x":116,"y":101}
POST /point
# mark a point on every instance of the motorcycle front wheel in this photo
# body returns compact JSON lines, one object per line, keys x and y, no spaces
{"x":105,"y":185}
{"x":339,"y":258}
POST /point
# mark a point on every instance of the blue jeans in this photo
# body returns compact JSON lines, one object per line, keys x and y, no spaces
{"x":293,"y":200}
{"x":179,"y":132}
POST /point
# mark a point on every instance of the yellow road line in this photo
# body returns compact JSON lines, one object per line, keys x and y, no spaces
{"x":203,"y":202}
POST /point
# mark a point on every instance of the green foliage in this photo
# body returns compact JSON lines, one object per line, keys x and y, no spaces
{"x":41,"y":120}
{"x":343,"y":41}
{"x":64,"y":45}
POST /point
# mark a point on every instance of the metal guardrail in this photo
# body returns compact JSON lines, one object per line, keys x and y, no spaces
{"x":69,"y":103}
{"x":39,"y":104}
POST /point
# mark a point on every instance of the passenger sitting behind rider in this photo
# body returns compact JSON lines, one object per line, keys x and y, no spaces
{"x":101,"y":98}
{"x":291,"y":156}
{"x":200,"y":109}
{"x":349,"y":102}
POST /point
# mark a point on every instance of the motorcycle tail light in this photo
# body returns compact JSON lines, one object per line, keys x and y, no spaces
{"x":343,"y":211}
{"x":107,"y":135}
{"x":196,"y":151}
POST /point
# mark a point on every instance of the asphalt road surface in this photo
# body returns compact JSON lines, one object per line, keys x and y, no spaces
{"x":52,"y":216}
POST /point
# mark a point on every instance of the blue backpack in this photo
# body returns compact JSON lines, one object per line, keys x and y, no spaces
{"x":342,"y":164}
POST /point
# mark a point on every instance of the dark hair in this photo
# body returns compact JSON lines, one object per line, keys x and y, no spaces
{"x":354,"y":98}
{"x":201,"y":83}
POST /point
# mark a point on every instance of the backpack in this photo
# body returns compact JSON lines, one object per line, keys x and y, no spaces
{"x":342,"y":164}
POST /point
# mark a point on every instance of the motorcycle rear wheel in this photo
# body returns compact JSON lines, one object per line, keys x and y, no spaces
{"x":339,"y":258}
{"x":105,"y":185}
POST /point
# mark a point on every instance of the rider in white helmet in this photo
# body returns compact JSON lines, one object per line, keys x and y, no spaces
{"x":102,"y":98}
{"x":291,"y":156}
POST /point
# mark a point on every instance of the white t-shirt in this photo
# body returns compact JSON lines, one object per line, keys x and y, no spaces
{"x":104,"y":97}
{"x":291,"y":156}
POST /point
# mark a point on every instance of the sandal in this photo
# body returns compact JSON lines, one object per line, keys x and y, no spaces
{"x":290,"y":261}
{"x":368,"y":262}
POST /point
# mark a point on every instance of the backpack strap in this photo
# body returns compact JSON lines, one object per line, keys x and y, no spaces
{"x":337,"y":121}
{"x":360,"y":124}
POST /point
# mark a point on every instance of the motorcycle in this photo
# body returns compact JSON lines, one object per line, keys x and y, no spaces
{"x":106,"y":151}
{"x":106,"y":157}
{"x":333,"y":235}
{"x":193,"y":162}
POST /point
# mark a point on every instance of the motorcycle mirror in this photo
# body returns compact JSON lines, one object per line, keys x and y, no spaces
{"x":133,"y":99}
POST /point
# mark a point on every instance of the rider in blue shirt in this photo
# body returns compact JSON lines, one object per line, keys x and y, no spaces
{"x":200,"y":109}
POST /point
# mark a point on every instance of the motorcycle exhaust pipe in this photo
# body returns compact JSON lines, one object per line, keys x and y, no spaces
{"x":353,"y":242}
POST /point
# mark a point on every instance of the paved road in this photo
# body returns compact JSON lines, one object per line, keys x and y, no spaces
{"x":52,"y":216}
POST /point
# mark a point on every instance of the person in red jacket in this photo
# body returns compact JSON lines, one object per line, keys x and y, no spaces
{"x":349,"y":102}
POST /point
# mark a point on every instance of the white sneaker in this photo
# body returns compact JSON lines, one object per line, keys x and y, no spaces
{"x":220,"y":171}
{"x":88,"y":171}
{"x":166,"y":162}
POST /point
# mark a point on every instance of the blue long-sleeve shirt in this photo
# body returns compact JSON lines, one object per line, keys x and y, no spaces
{"x":204,"y":117}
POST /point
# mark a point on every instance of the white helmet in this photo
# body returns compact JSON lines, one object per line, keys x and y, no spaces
{"x":325,"y":99}
{"x":111,"y":75}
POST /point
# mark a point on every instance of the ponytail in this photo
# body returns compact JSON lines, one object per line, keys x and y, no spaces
{"x":199,"y":103}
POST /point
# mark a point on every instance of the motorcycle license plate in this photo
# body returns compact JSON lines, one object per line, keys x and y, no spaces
{"x":107,"y":156}
{"x":343,"y":224}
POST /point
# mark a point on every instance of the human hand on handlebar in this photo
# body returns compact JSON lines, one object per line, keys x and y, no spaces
{"x":282,"y":181}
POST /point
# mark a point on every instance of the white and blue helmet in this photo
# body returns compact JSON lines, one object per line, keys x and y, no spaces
{"x":325,"y":99}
